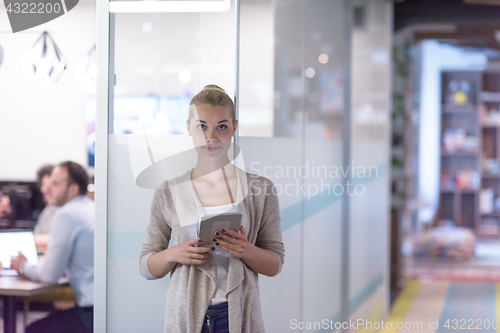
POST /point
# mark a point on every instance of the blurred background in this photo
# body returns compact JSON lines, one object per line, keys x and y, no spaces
{"x":404,"y":93}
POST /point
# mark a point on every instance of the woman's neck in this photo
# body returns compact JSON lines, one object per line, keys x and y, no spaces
{"x":213,"y":173}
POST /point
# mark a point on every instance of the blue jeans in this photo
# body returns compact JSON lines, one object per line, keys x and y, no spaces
{"x":216,"y":319}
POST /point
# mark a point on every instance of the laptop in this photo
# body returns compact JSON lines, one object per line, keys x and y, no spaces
{"x":14,"y":241}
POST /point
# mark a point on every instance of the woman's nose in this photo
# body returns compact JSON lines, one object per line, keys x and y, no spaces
{"x":210,"y":135}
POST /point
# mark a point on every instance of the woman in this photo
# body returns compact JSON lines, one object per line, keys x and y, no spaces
{"x":213,"y":291}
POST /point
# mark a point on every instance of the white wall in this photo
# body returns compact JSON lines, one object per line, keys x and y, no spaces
{"x":43,"y":124}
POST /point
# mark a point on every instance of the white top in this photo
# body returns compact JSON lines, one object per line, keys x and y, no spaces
{"x":70,"y":249}
{"x":43,"y":224}
{"x":221,"y":259}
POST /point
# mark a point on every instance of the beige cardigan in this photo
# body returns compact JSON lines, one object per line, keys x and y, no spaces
{"x":175,"y":212}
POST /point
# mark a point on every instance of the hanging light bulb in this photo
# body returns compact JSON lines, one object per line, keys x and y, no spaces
{"x":46,"y":60}
{"x":1,"y":55}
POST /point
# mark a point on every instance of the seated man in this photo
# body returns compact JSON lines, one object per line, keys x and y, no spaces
{"x":71,"y":249}
{"x":5,"y":206}
{"x":42,"y":226}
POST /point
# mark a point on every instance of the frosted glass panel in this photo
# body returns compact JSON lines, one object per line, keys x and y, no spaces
{"x":161,"y":61}
{"x":128,"y":216}
{"x":371,"y":101}
{"x":280,"y":295}
{"x":292,"y":100}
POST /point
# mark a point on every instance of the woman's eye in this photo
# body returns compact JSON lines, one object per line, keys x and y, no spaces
{"x":201,"y":127}
{"x":222,"y":127}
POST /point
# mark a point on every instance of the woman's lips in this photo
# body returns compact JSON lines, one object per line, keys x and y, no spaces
{"x":211,"y":149}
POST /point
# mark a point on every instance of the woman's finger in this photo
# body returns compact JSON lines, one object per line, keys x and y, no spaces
{"x":233,"y":236}
{"x":195,"y":262}
{"x":197,"y":256}
{"x":229,"y":248}
{"x":200,"y":249}
{"x":232,"y":247}
{"x":194,"y":241}
{"x":227,"y":238}
{"x":232,"y":233}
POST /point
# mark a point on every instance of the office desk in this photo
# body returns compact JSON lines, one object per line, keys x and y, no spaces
{"x":12,"y":287}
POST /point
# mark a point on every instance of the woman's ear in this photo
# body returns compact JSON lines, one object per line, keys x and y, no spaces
{"x":187,"y":126}
{"x":235,"y":126}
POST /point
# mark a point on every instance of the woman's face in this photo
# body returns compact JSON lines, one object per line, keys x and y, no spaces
{"x":211,"y":128}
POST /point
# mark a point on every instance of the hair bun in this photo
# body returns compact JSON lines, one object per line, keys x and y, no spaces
{"x":213,"y":86}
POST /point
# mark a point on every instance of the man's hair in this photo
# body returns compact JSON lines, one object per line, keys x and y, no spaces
{"x":45,"y":170}
{"x":76,"y":175}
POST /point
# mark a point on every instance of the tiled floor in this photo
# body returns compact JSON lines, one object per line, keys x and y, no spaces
{"x":463,"y":294}
{"x":428,"y":307}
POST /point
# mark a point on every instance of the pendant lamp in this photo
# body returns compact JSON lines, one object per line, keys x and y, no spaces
{"x":46,"y":60}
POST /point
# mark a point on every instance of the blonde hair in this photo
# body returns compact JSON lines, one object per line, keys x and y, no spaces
{"x":215,"y":96}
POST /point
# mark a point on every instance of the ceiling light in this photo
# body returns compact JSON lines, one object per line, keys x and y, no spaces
{"x":46,"y":61}
{"x":323,"y":58}
{"x":154,"y":6}
{"x":310,"y":72}
{"x":185,"y":76}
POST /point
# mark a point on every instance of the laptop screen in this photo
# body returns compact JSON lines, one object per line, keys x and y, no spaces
{"x":13,"y":241}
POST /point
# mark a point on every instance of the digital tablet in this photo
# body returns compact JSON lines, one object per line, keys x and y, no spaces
{"x":211,"y":223}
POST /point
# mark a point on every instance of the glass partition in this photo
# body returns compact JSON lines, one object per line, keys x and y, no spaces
{"x":370,"y":116}
{"x":161,"y":61}
{"x":291,"y":78}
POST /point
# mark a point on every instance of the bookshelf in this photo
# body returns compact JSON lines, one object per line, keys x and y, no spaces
{"x":470,"y":150}
{"x":489,"y":118}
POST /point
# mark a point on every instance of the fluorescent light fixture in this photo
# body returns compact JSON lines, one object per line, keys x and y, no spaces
{"x":154,"y":6}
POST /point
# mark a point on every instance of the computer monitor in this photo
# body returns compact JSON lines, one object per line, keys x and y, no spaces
{"x":14,"y":241}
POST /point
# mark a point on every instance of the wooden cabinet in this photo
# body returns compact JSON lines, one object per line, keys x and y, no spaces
{"x":470,"y":150}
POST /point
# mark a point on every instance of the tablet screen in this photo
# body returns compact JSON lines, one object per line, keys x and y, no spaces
{"x":211,"y":223}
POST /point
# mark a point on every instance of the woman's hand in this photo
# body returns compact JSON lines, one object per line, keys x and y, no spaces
{"x":161,"y":263}
{"x":234,"y":243}
{"x":237,"y":245}
{"x":188,"y":253}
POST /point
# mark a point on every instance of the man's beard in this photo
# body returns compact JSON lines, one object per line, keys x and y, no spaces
{"x":63,"y":199}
